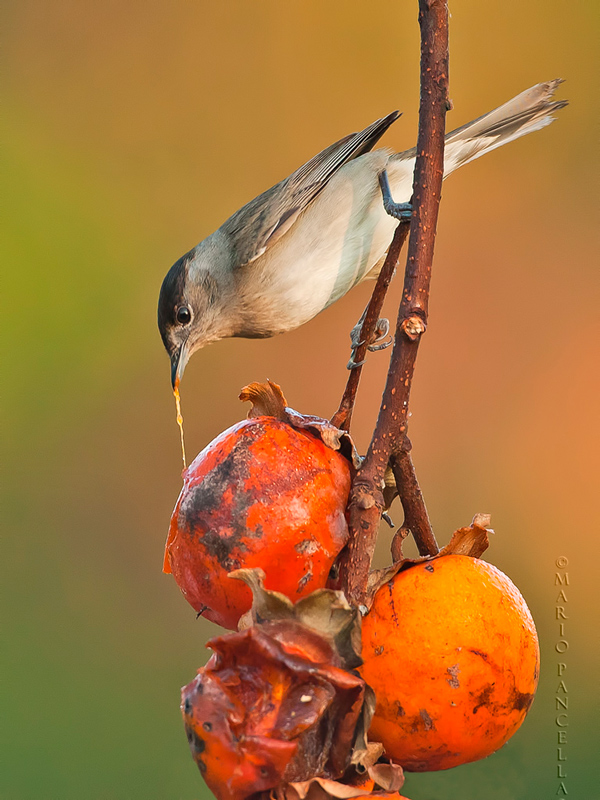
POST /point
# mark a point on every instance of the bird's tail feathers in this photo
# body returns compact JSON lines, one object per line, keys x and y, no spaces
{"x":527,"y":112}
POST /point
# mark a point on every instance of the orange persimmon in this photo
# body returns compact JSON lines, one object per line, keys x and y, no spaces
{"x":451,"y":651}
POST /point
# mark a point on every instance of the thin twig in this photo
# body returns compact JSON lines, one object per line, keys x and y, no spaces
{"x":416,"y":518}
{"x":343,"y":416}
{"x":366,"y":501}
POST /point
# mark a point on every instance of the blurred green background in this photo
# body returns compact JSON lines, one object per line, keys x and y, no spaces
{"x":132,"y":131}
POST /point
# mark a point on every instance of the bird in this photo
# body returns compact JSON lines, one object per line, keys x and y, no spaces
{"x":304,"y":243}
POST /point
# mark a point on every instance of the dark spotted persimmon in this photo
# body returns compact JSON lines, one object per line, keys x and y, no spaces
{"x":263,"y":494}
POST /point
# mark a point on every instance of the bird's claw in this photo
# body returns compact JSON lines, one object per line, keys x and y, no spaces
{"x":381,"y":345}
{"x":352,"y":364}
{"x":382,"y":329}
{"x":400,"y":211}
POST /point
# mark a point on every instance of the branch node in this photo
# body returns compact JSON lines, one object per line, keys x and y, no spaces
{"x":404,"y":446}
{"x":365,"y":502}
{"x":413,"y":327}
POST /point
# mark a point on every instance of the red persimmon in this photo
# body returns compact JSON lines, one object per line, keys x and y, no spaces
{"x":263,"y":494}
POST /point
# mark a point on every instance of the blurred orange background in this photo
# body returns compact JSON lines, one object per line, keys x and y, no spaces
{"x":133,"y":130}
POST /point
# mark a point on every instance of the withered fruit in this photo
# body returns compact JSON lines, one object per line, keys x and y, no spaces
{"x":270,"y":707}
{"x":269,"y":492}
{"x":279,"y":705}
{"x":451,"y":651}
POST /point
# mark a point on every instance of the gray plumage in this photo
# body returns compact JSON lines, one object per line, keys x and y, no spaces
{"x":301,"y":245}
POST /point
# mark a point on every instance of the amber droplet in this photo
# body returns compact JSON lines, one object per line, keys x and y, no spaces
{"x":179,"y":420}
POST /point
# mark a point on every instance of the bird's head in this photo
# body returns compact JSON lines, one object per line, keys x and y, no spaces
{"x":187,"y":311}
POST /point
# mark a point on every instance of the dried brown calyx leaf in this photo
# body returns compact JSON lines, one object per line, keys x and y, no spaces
{"x":327,"y":612}
{"x":471,"y":541}
{"x":381,"y":781}
{"x":268,"y":400}
{"x":389,"y":777}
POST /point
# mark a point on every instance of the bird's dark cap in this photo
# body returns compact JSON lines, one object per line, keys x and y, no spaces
{"x":171,"y":296}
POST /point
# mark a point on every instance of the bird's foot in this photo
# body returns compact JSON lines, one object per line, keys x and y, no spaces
{"x":400,"y":211}
{"x":352,"y":364}
{"x":379,"y":340}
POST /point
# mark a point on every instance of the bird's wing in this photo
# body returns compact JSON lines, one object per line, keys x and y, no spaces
{"x":265,"y":219}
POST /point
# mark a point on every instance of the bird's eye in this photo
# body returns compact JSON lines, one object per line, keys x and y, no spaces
{"x":183,"y":315}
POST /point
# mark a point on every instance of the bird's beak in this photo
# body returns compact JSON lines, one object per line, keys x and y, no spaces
{"x":179,"y":360}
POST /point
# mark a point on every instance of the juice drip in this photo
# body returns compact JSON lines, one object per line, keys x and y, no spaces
{"x":179,"y":420}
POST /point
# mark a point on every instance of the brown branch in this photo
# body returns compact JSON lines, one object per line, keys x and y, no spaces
{"x":343,"y":416}
{"x":389,"y":439}
{"x":416,"y":518}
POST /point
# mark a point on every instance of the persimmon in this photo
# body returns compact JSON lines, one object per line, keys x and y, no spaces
{"x":451,"y":651}
{"x":279,"y":708}
{"x":269,"y":493}
{"x":270,"y":707}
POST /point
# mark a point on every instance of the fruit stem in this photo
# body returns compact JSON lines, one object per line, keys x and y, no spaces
{"x":389,"y":439}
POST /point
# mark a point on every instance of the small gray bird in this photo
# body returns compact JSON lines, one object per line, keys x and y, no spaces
{"x":301,"y":245}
